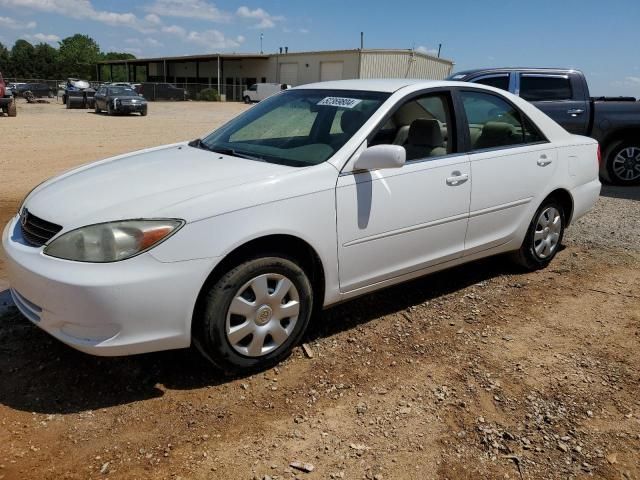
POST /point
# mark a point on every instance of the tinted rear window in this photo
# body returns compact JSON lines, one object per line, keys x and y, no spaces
{"x":534,"y":88}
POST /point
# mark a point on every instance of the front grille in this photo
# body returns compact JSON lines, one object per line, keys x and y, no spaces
{"x":36,"y":231}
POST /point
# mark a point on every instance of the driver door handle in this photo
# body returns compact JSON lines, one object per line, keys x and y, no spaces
{"x":457,"y":178}
{"x":574,"y":112}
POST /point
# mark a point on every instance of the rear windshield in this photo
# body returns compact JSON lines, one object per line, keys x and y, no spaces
{"x":297,"y":127}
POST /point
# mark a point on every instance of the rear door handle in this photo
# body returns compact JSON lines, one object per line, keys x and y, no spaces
{"x":574,"y":112}
{"x":457,"y":178}
{"x":543,"y":161}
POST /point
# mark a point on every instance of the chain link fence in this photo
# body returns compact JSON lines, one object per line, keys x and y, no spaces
{"x":179,"y":91}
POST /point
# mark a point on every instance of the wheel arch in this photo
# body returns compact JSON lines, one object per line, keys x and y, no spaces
{"x":566,"y":202}
{"x":623,"y":134}
{"x":287,"y":245}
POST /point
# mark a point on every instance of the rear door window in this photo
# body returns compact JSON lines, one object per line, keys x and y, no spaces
{"x":538,"y":88}
{"x":494,"y":123}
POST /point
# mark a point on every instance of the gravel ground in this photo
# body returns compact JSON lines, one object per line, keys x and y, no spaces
{"x":476,"y":372}
{"x":613,"y":223}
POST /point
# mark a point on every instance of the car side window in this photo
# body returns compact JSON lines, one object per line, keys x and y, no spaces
{"x":422,"y":125}
{"x":494,"y":123}
{"x":497,"y":81}
{"x":537,"y":88}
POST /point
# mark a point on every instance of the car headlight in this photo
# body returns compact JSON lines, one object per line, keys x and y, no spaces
{"x":113,"y":241}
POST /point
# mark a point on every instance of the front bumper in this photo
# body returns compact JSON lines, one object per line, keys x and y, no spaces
{"x":134,"y":306}
{"x":131,"y":108}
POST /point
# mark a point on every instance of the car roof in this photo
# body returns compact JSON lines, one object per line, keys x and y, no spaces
{"x":489,"y":70}
{"x":389,"y":85}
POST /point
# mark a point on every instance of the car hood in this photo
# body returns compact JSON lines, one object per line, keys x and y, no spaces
{"x":149,"y":184}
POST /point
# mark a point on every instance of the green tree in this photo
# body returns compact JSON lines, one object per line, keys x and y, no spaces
{"x":117,"y":56}
{"x":5,"y":59}
{"x":119,"y":71}
{"x":46,"y":61}
{"x":78,"y":56}
{"x":22,"y":62}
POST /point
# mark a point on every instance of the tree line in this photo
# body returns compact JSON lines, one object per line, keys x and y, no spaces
{"x":75,"y":57}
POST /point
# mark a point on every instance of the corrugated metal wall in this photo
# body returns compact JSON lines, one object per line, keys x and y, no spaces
{"x":404,"y":64}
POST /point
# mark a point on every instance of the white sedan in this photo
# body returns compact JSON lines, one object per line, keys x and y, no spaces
{"x":318,"y":194}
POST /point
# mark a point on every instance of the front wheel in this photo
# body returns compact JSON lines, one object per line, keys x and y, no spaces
{"x":544,"y":236}
{"x":623,"y":163}
{"x":247,"y":100}
{"x":254,"y":315}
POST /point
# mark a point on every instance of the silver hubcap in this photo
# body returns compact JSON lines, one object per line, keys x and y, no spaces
{"x":262,"y":315}
{"x":626,"y":164}
{"x":547,"y":233}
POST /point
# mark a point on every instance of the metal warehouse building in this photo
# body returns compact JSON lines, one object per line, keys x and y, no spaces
{"x":232,"y":73}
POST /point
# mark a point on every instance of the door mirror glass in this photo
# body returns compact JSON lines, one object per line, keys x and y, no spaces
{"x":381,"y":156}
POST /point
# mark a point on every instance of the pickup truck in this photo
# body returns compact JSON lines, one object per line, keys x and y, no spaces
{"x":7,"y":103}
{"x":563,"y":94}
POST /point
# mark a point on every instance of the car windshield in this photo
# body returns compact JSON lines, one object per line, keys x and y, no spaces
{"x":121,"y":91}
{"x":297,"y":127}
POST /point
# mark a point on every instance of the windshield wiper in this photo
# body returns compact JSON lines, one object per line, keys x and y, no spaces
{"x":234,"y":153}
{"x":198,"y":143}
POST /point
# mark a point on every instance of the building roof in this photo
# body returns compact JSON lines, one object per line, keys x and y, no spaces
{"x":238,"y":56}
{"x":187,"y":58}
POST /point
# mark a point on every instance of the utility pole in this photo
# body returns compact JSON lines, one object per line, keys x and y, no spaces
{"x":361,"y":40}
{"x":439,"y":48}
{"x":261,"y":52}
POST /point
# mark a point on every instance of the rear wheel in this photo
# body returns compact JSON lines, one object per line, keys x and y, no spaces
{"x":96,"y":108}
{"x":109,"y":109}
{"x":247,"y":99}
{"x":543,"y":238}
{"x":254,"y":315}
{"x":623,"y":163}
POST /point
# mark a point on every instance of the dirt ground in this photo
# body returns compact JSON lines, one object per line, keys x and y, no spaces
{"x":476,"y":372}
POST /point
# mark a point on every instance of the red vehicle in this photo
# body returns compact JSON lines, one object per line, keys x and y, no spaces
{"x":7,"y":103}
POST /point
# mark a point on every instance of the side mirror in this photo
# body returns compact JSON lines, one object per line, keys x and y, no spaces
{"x":381,"y":156}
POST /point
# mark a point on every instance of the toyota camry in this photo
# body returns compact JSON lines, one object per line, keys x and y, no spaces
{"x":318,"y":194}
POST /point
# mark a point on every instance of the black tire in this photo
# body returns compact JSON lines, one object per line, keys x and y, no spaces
{"x":96,"y":109}
{"x":623,"y":151}
{"x":527,"y":257}
{"x":109,"y":109}
{"x":68,"y":102}
{"x":210,"y":323}
{"x":247,"y":100}
{"x":12,"y":110}
{"x":143,"y":113}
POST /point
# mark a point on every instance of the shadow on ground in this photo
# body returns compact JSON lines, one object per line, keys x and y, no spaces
{"x":626,"y":193}
{"x":40,"y":374}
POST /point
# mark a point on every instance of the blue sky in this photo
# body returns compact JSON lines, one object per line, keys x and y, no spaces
{"x":601,"y":38}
